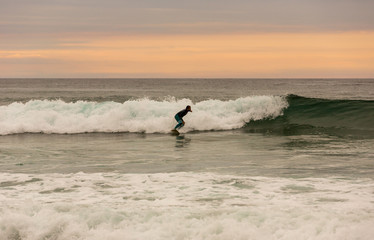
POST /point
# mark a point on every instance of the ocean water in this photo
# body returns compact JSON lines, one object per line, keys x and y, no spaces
{"x":257,"y":159}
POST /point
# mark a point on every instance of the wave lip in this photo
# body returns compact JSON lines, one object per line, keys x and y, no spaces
{"x":354,"y":114}
{"x":141,"y":115}
{"x":315,"y":116}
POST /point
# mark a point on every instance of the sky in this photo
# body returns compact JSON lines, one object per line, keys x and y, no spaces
{"x":171,"y":38}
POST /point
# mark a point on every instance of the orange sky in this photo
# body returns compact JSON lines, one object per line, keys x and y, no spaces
{"x":166,"y":38}
{"x":339,"y":54}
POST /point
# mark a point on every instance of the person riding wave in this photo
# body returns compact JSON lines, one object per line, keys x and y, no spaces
{"x":179,"y":117}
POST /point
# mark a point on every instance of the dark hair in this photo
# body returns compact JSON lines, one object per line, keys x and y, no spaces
{"x":188,"y":106}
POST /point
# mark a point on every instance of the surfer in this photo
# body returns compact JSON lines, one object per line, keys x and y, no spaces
{"x":179,"y":117}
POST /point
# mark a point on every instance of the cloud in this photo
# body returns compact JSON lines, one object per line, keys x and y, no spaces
{"x":240,"y":55}
{"x":194,"y":16}
{"x":216,"y":38}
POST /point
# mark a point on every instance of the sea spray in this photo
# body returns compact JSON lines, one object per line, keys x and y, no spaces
{"x":141,"y":115}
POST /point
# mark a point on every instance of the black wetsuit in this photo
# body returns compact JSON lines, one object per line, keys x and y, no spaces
{"x":179,"y":119}
{"x":182,"y":113}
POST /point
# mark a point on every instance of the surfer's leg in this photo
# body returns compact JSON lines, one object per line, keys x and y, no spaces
{"x":179,"y":125}
{"x":176,"y":118}
{"x":180,"y":122}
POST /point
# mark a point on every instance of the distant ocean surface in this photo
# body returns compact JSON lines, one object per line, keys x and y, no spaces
{"x":257,"y":159}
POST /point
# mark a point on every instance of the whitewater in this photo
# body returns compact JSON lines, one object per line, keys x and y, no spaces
{"x":184,"y":206}
{"x":257,"y":159}
{"x":141,"y":115}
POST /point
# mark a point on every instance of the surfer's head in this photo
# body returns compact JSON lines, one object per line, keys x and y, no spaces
{"x":188,"y":108}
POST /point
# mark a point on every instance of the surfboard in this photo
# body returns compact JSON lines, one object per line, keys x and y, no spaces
{"x":174,"y":132}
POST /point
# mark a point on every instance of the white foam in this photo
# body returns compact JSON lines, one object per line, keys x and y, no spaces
{"x":183,"y":206}
{"x":142,"y":115}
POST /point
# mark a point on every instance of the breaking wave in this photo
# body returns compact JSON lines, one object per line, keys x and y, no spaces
{"x":141,"y":115}
{"x":287,"y":115}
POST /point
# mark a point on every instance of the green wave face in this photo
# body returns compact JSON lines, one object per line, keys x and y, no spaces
{"x":344,"y":118}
